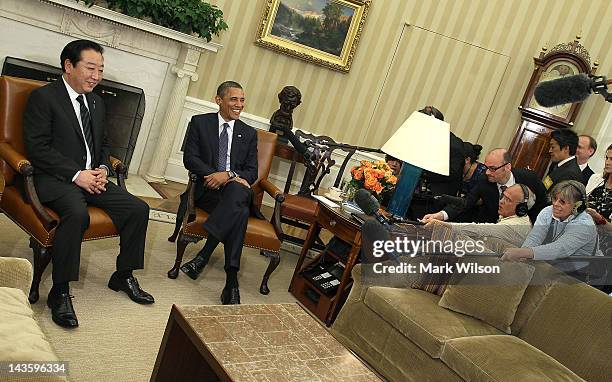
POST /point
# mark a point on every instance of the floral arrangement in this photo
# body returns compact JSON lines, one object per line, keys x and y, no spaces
{"x":376,"y":177}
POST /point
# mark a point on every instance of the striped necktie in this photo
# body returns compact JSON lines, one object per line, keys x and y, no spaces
{"x":502,"y":188}
{"x":222,"y":160}
{"x":86,"y":121}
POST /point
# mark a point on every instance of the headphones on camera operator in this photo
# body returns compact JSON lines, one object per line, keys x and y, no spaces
{"x":523,"y":207}
{"x":581,"y":204}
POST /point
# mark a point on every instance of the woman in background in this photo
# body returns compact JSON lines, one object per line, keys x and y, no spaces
{"x":394,"y":164}
{"x":599,"y":189}
{"x":472,"y":169}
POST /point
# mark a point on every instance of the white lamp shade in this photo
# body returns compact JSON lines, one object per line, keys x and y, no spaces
{"x":422,"y":141}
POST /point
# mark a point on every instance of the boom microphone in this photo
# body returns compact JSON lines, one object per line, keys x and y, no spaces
{"x":370,"y":206}
{"x":372,"y":231}
{"x":295,"y":141}
{"x":570,"y":89}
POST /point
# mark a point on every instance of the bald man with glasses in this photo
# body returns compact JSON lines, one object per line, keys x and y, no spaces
{"x":499,"y":176}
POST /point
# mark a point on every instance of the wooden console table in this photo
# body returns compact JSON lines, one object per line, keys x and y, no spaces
{"x":325,"y":307}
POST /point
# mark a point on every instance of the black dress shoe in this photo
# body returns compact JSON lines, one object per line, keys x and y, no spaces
{"x":194,"y":267}
{"x":62,"y":311}
{"x":230,"y":296}
{"x":130,"y":286}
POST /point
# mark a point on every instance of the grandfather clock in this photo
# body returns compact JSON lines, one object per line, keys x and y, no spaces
{"x":529,"y":147}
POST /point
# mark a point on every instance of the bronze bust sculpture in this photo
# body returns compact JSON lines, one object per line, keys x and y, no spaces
{"x":282,"y":119}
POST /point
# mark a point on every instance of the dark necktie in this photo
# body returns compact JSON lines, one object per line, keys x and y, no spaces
{"x":502,"y":188}
{"x":86,"y":120}
{"x":222,"y":160}
{"x":552,"y":167}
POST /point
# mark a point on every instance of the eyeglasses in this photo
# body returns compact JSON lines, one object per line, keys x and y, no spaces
{"x":494,"y":168}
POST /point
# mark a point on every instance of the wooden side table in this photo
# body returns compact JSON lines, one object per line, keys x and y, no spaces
{"x":344,"y":228}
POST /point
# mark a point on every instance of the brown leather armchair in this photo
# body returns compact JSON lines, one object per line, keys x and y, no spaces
{"x":260,"y":234}
{"x":28,"y":213}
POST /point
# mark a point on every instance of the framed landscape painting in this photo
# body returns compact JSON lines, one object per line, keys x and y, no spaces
{"x":325,"y":32}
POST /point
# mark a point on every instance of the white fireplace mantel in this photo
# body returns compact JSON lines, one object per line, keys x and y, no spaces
{"x":159,"y":60}
{"x":142,"y":25}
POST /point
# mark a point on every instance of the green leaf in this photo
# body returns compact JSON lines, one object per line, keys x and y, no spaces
{"x":185,"y":16}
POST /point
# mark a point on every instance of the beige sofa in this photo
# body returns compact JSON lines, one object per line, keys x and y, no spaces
{"x":560,"y":332}
{"x":21,"y":339}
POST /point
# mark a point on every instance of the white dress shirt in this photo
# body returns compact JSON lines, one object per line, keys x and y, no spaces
{"x":565,"y":161}
{"x":511,"y":182}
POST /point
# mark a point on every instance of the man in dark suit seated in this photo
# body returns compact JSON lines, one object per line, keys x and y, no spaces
{"x":222,"y":151}
{"x":562,"y":150}
{"x":587,"y":146}
{"x":499,"y":176}
{"x":64,"y":135}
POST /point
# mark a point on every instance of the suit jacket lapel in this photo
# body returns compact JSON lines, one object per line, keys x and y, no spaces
{"x":214,"y":140}
{"x":236,"y":143}
{"x":64,"y":100}
{"x":493,"y":190}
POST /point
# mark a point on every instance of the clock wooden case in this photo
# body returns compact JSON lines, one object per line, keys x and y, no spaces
{"x":529,"y":147}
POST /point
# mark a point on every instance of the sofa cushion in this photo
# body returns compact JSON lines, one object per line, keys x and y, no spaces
{"x":502,"y":358}
{"x":491,"y":297}
{"x":544,"y":277}
{"x":573,"y":324}
{"x":416,"y":315}
{"x":21,"y":339}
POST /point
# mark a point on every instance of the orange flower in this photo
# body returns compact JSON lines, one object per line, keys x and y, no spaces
{"x":357,"y":173}
{"x":370,"y":182}
{"x":366,"y":163}
{"x":378,"y":188}
{"x":392,"y":179}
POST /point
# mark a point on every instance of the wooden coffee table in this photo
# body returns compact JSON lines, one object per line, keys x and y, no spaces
{"x":272,"y":342}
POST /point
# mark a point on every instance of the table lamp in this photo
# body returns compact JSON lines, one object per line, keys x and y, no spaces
{"x":421,"y":142}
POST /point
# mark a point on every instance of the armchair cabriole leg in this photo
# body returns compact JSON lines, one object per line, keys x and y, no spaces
{"x":177,"y":229}
{"x":42,"y":257}
{"x":180,"y":251}
{"x":274,"y":261}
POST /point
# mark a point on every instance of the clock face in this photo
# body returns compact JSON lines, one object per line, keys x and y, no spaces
{"x":557,"y":69}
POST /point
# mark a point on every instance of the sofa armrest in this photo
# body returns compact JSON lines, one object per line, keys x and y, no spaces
{"x":16,"y":272}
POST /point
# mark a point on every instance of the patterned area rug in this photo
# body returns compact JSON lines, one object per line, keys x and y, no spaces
{"x":162,"y":216}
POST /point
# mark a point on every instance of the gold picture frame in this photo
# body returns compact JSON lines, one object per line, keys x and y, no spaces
{"x":324,"y":32}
